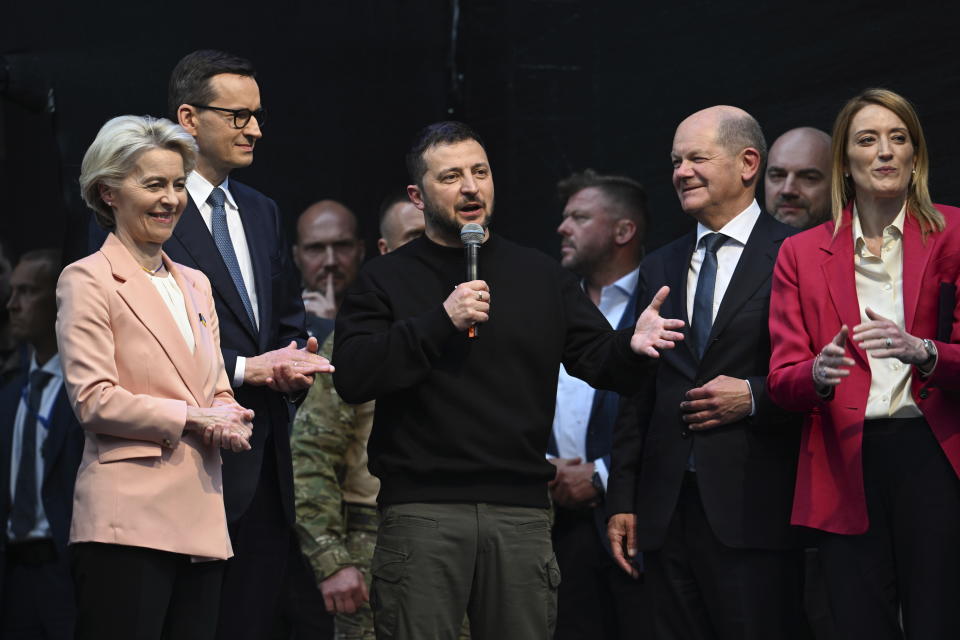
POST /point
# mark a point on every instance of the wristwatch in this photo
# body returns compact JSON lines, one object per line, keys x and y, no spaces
{"x":931,"y":350}
{"x":597,"y":483}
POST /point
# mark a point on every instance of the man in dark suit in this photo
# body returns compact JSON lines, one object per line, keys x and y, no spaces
{"x":603,"y":228}
{"x":704,"y":465}
{"x":41,"y":443}
{"x":233,"y":234}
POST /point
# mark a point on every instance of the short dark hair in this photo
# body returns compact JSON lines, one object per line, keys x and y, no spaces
{"x":52,"y":259}
{"x":446,"y":132}
{"x":190,"y":79}
{"x":626,"y":195}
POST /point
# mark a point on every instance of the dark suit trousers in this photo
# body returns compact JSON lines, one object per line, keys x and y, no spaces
{"x":701,"y":589}
{"x":135,"y":593}
{"x":596,"y":599}
{"x":909,"y":559}
{"x":254,"y":577}
{"x":38,"y":600}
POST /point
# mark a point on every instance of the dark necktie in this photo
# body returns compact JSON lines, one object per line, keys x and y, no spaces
{"x":24,"y":516}
{"x":221,"y":237}
{"x":702,"y":320}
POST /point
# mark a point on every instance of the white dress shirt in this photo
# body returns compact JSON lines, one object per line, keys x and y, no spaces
{"x":172,"y":297}
{"x":574,"y":396}
{"x":738,"y":232}
{"x":199,"y":189}
{"x":47,"y":399}
{"x":880,"y":286}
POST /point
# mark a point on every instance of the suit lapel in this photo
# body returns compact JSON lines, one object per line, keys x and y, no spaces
{"x":677,"y":269}
{"x":840,"y":279}
{"x":258,"y":254}
{"x":753,"y":269}
{"x":145,"y":302}
{"x":192,"y":233}
{"x":916,"y":255}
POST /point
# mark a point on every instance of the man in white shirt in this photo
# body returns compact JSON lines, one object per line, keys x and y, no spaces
{"x":234,"y":235}
{"x":41,"y":443}
{"x":603,"y":229}
{"x":702,"y":476}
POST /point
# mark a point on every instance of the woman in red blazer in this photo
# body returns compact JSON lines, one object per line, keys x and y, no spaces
{"x":865,"y":331}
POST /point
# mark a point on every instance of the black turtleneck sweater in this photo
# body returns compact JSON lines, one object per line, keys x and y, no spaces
{"x":460,"y":420}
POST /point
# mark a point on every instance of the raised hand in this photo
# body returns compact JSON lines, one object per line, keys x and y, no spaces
{"x":654,"y":333}
{"x":321,"y":304}
{"x":832,"y":364}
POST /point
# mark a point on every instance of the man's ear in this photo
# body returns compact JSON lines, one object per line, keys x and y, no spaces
{"x":295,"y":249}
{"x":750,"y":164}
{"x":187,"y":117}
{"x":413,"y":192}
{"x":624,"y":231}
{"x":382,"y":246}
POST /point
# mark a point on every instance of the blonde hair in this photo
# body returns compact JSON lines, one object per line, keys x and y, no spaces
{"x":114,"y":153}
{"x":919,"y":204}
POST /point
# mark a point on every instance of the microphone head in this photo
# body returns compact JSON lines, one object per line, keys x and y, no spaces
{"x":471,"y":233}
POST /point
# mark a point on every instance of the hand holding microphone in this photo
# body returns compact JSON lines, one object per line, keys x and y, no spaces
{"x":472,"y":235}
{"x":468,"y":304}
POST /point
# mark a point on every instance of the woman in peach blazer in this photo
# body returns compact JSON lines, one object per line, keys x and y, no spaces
{"x":139,"y":344}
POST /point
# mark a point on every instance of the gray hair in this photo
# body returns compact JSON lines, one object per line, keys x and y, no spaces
{"x":114,"y":153}
{"x":737,"y":132}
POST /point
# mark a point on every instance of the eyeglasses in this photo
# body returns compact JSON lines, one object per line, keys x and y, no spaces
{"x":241,"y":117}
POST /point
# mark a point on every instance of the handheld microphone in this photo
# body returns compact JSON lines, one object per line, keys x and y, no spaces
{"x":471,"y":235}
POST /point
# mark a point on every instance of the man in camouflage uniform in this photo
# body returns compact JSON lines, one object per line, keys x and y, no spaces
{"x":335,"y":495}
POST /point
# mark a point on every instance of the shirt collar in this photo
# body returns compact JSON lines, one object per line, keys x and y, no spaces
{"x":51,"y":366}
{"x":627,"y":283}
{"x":738,"y":229}
{"x":858,"y":239}
{"x":199,"y":189}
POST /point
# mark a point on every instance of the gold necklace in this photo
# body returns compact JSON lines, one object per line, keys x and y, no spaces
{"x":152,"y":272}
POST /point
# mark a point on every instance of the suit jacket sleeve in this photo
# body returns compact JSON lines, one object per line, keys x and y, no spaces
{"x":88,"y":352}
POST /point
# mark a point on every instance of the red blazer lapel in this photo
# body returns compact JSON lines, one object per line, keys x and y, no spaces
{"x":916,"y":255}
{"x":839,"y":278}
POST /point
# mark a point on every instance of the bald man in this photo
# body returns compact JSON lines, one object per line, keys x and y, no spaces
{"x":400,"y":222}
{"x":797,"y":184}
{"x":328,"y":253}
{"x":703,"y":463}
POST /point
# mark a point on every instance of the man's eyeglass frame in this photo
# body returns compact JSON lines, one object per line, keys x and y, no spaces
{"x":241,"y":117}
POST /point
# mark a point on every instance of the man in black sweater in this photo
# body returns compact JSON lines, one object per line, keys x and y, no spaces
{"x":461,"y":425}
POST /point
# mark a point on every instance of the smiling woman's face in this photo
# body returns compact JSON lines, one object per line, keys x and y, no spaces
{"x":149,"y":201}
{"x":880,"y":153}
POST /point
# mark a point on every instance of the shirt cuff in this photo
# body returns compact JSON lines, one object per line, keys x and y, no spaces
{"x":601,"y":469}
{"x":753,"y":402}
{"x":239,"y":368}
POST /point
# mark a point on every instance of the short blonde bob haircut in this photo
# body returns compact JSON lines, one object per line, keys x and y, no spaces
{"x":115,"y":151}
{"x":919,"y":204}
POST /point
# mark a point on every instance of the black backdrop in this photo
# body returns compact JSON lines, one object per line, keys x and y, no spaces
{"x":552,"y":85}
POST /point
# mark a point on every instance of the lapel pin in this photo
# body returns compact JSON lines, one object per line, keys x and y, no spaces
{"x":203,"y":320}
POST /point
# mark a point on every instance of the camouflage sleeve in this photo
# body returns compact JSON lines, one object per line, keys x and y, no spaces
{"x":321,"y":432}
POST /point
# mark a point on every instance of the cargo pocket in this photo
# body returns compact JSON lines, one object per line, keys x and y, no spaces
{"x":389,"y":570}
{"x":551,"y":571}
